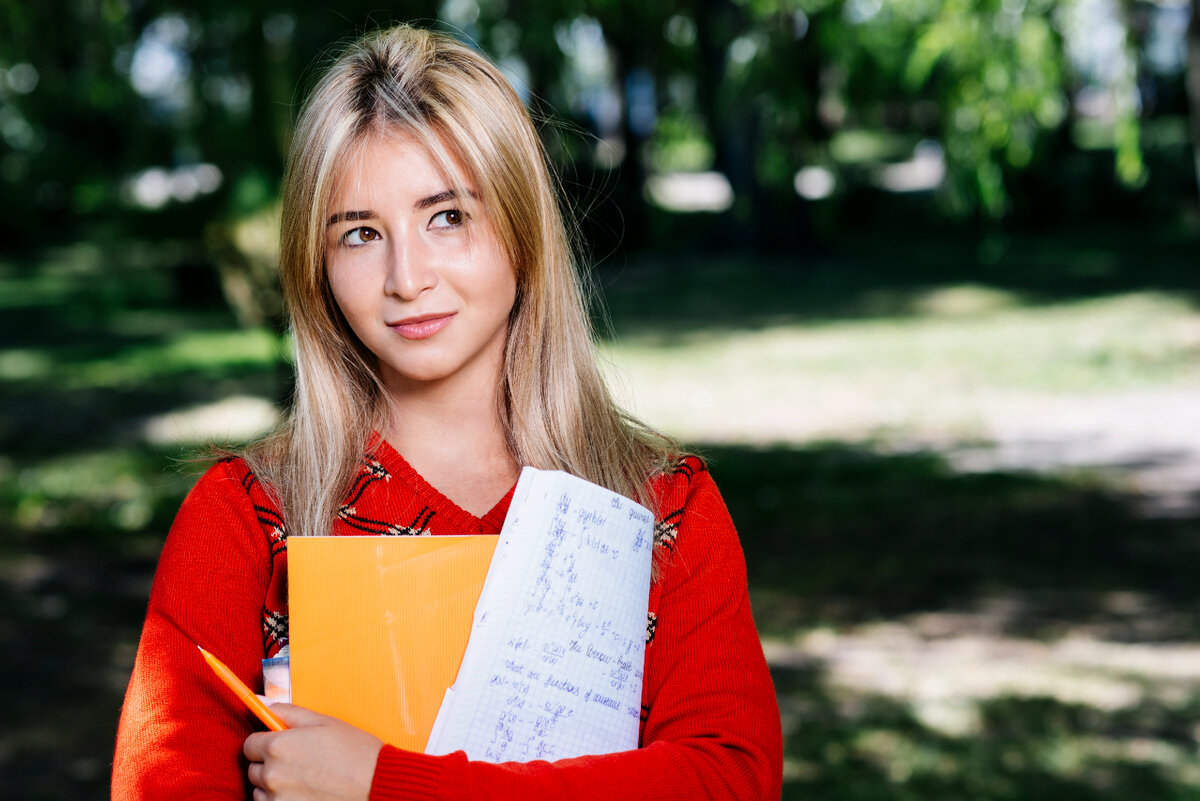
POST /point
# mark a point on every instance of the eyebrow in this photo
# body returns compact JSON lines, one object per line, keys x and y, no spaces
{"x":441,"y":197}
{"x":433,"y":200}
{"x":422,"y":204}
{"x":350,"y":215}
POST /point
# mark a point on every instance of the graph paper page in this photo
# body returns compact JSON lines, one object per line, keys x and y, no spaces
{"x":553,"y":667}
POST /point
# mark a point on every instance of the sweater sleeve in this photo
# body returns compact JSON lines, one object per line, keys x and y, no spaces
{"x":181,"y":730}
{"x":711,"y":725}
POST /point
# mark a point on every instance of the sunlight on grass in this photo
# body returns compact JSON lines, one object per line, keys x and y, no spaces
{"x":969,"y":698}
{"x":916,"y":460}
{"x":233,"y":419}
{"x":20,"y":364}
{"x":963,"y":703}
{"x":965,"y":300}
{"x":936,"y":374}
{"x":117,"y":488}
{"x":201,"y":351}
{"x":40,"y":290}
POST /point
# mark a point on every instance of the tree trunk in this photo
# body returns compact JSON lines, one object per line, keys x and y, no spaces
{"x":727,"y":117}
{"x":1192,"y":82}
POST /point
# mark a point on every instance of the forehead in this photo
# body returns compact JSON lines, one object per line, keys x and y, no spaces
{"x":396,"y":165}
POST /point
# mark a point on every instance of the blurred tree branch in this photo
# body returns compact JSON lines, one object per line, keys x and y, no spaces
{"x":1192,"y":82}
{"x":104,"y":122}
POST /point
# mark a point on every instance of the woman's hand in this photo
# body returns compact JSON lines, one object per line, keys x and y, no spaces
{"x":318,"y":757}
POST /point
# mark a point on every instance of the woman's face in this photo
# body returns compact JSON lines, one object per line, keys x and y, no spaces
{"x":418,"y":273}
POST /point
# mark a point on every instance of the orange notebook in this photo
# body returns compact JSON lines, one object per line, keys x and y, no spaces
{"x":378,"y":626}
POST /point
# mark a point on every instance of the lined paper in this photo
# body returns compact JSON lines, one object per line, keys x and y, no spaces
{"x":553,"y":666}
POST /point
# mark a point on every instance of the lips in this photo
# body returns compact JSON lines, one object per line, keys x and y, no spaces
{"x":422,"y":326}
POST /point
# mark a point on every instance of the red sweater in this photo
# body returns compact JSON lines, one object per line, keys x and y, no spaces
{"x":710,"y":724}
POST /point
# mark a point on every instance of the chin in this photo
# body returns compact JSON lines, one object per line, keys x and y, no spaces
{"x":421,"y":376}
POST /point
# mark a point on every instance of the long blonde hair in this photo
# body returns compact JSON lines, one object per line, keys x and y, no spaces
{"x":554,"y":405}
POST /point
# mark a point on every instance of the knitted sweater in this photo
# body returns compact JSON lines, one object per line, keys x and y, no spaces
{"x":710,"y":725}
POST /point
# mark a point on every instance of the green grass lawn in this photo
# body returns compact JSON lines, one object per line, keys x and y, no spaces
{"x":932,"y":374}
{"x":934,"y":633}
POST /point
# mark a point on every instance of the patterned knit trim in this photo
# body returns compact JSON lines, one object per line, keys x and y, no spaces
{"x":417,"y":528}
{"x":275,"y":630}
{"x":666,"y":530}
{"x":272,"y":523}
{"x":689,"y":466}
{"x":372,"y":471}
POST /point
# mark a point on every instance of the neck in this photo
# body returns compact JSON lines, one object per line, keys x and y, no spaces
{"x":455,"y":439}
{"x":431,"y":418}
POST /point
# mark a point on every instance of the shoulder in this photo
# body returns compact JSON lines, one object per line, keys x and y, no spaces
{"x":685,"y":488}
{"x":230,"y":496}
{"x":691,"y":516}
{"x":680,"y":477}
{"x":228,"y":482}
{"x":220,"y":538}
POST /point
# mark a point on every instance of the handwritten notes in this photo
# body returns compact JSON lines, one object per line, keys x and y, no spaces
{"x":553,"y":667}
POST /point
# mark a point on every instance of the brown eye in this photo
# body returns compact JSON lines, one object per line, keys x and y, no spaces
{"x":360,"y":236}
{"x":450,"y":218}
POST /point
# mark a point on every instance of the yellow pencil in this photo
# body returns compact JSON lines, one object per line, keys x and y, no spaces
{"x":252,"y":701}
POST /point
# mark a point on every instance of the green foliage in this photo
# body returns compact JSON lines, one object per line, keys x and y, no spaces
{"x":995,"y":73}
{"x":681,"y":143}
{"x":756,"y":89}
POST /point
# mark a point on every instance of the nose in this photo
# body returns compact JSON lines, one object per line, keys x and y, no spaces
{"x":410,"y":270}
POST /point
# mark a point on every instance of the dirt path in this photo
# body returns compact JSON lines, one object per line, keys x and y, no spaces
{"x":1148,"y":440}
{"x":1144,"y":440}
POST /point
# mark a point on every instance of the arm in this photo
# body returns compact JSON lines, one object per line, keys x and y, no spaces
{"x":711,"y":727}
{"x":181,"y":730}
{"x":712,"y":724}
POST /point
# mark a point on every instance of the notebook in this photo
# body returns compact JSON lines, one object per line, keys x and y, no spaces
{"x":553,"y":666}
{"x":378,"y":626}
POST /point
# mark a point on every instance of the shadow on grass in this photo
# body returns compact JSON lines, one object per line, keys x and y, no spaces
{"x":837,"y":535}
{"x":840,"y":534}
{"x":87,"y":333}
{"x":833,"y":535}
{"x":1024,"y":749}
{"x":86,"y":418}
{"x":668,"y":296}
{"x":75,"y":577}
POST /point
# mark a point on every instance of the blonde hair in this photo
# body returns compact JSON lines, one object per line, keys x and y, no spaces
{"x":555,"y":408}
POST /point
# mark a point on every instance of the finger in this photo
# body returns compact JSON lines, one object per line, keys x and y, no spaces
{"x":255,"y":747}
{"x":297,"y":716}
{"x":260,"y":794}
{"x":255,"y":773}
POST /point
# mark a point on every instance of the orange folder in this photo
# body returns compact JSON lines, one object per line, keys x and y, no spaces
{"x":378,"y":626}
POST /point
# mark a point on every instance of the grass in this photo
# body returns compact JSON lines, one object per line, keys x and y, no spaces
{"x":932,"y":363}
{"x":934,"y":633}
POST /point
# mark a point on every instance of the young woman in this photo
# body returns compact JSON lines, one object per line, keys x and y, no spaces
{"x":441,"y":343}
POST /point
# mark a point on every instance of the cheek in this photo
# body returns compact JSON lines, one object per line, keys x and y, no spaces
{"x":347,"y":301}
{"x":510,"y":289}
{"x":505,"y":292}
{"x":505,"y":281}
{"x":341,"y":288}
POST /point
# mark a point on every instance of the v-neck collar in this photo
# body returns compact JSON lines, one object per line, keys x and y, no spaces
{"x":459,"y":519}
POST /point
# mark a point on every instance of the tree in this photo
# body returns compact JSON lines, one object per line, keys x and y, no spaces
{"x":1192,"y":82}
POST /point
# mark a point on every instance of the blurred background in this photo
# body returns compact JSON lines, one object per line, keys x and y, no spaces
{"x":919,"y":277}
